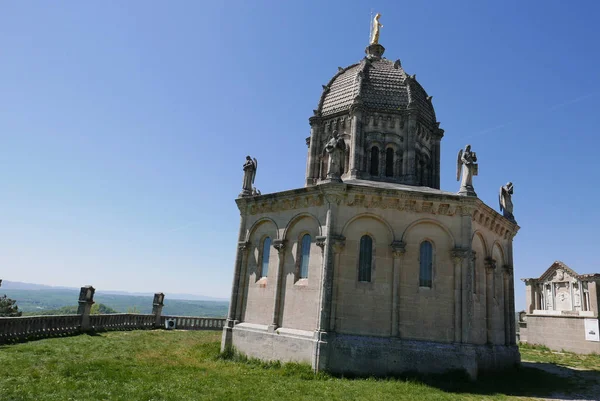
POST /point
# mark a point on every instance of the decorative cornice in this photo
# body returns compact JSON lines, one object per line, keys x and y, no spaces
{"x":494,"y":221}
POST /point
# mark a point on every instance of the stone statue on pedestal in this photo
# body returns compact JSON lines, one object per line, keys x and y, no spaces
{"x":250,"y":167}
{"x":465,"y":163}
{"x":505,"y":198}
{"x":335,"y":147}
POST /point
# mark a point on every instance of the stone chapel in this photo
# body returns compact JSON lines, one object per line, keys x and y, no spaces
{"x":371,"y":269}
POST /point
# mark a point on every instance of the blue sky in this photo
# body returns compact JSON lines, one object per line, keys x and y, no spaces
{"x":124,"y":125}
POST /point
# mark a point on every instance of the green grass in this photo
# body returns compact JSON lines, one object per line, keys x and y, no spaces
{"x":180,"y":365}
{"x":540,"y":353}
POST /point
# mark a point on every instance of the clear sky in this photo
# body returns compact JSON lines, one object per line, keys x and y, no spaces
{"x":124,"y":125}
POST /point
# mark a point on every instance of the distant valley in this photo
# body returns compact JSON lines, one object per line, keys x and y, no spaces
{"x":38,"y":298}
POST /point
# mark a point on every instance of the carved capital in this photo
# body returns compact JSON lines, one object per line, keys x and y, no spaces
{"x":338,"y":242}
{"x":320,"y":240}
{"x":508,"y":270}
{"x":398,"y":248}
{"x":458,"y":255}
{"x":279,"y":244}
{"x":243,"y":245}
{"x":490,"y":264}
{"x":308,"y":141}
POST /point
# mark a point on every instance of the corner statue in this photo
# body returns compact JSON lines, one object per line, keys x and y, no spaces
{"x":335,"y":147}
{"x":250,"y":167}
{"x":375,"y":30}
{"x":505,"y":198}
{"x":466,"y":163}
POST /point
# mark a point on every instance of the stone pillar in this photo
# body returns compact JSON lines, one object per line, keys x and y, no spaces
{"x":280,"y":246}
{"x":356,"y":149}
{"x":411,"y":172}
{"x":86,"y":300}
{"x":382,"y":161}
{"x":398,"y":249}
{"x":312,"y":164}
{"x":459,"y":257}
{"x":490,"y":267}
{"x":333,"y":195}
{"x":235,"y":286}
{"x":338,"y":244}
{"x":593,"y":296}
{"x":509,"y":307}
{"x":243,"y":248}
{"x":436,"y":165}
{"x":157,"y":305}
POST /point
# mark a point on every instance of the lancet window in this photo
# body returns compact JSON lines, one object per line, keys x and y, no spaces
{"x":426,"y":264}
{"x":266,"y":253}
{"x":365,"y":258}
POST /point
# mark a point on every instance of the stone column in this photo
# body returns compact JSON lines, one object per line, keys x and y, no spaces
{"x":490,"y":267}
{"x":312,"y":164}
{"x":333,"y":194}
{"x":338,"y":244}
{"x":459,"y":257}
{"x":86,"y":300}
{"x":235,"y":286}
{"x":280,"y":246}
{"x":243,"y":248}
{"x":436,"y":166}
{"x":356,"y":149}
{"x":509,"y":307}
{"x":398,"y":249}
{"x":411,"y":171}
{"x":382,"y":161}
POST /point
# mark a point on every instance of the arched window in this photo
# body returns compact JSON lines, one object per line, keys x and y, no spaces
{"x":389,"y":162}
{"x":266,"y":252}
{"x":304,"y":256}
{"x":426,"y":264}
{"x":365,"y":258}
{"x":374,"y":161}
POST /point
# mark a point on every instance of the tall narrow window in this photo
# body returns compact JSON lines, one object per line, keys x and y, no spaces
{"x":304,"y":256}
{"x":266,"y":252}
{"x":426,"y":264}
{"x":389,"y":162}
{"x":374,"y":161}
{"x":364,"y":258}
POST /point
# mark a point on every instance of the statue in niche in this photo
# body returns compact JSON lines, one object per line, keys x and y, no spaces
{"x":505,"y":198}
{"x":548,"y":298}
{"x":250,"y":167}
{"x":560,"y":274}
{"x":466,"y":163}
{"x":335,"y":147}
{"x":375,"y":30}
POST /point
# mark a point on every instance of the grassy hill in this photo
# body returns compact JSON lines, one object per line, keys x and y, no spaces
{"x":180,"y":365}
{"x":45,"y":300}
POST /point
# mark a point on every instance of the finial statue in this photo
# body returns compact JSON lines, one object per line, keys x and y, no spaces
{"x":250,"y":167}
{"x":335,"y":147}
{"x":505,"y":199}
{"x":465,"y":163}
{"x":375,"y":30}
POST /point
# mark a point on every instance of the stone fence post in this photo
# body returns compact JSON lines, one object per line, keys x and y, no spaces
{"x":157,"y":306}
{"x":86,"y":300}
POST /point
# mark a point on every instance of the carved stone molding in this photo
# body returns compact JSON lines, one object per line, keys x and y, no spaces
{"x":508,"y":269}
{"x":459,"y":254}
{"x":398,"y":248}
{"x":320,"y":241}
{"x":243,"y":245}
{"x":279,"y":244}
{"x":338,"y":242}
{"x":493,"y":221}
{"x":278,"y":205}
{"x":490,"y":264}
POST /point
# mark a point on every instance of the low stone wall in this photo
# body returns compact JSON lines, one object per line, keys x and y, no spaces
{"x":121,"y":321}
{"x":34,"y":327}
{"x":560,"y":333}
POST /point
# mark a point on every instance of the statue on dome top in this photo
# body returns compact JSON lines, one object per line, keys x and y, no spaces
{"x":375,"y":30}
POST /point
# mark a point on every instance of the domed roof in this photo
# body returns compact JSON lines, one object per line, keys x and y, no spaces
{"x":378,"y":84}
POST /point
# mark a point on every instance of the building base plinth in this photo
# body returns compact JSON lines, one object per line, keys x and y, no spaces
{"x":369,"y":356}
